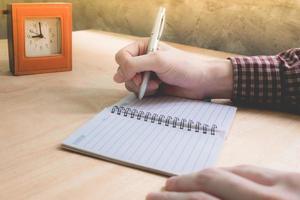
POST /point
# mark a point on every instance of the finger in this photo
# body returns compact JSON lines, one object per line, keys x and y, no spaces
{"x":137,"y":79}
{"x":150,"y":92}
{"x":123,"y":57}
{"x":152,"y":87}
{"x":180,"y":196}
{"x":154,"y":61}
{"x":134,"y":49}
{"x":131,"y":86}
{"x":217,"y":182}
{"x":257,"y":174}
{"x":119,"y":77}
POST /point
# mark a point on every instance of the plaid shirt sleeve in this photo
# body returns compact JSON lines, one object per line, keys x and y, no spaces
{"x":272,"y":81}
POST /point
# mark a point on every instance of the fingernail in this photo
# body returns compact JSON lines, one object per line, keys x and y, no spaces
{"x":152,"y":86}
{"x":156,"y":86}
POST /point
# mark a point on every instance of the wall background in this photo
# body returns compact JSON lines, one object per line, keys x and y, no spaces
{"x":247,"y":27}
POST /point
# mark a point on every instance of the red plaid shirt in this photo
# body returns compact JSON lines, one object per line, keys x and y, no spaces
{"x":268,"y":80}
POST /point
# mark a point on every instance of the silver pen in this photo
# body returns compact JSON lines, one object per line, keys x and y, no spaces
{"x":152,"y":46}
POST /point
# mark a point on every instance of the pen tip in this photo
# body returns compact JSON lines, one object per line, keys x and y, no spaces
{"x":140,"y":96}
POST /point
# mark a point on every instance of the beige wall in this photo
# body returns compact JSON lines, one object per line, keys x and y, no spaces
{"x":242,"y":26}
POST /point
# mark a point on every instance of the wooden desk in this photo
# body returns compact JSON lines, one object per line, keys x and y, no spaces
{"x":37,"y":112}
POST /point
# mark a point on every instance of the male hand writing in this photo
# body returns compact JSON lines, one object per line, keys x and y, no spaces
{"x":178,"y":73}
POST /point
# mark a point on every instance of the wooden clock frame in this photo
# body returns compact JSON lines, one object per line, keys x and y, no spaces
{"x":19,"y":63}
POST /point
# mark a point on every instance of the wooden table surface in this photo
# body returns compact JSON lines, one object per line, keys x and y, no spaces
{"x":37,"y":112}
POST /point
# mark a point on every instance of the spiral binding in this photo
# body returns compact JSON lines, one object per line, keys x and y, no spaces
{"x":175,"y":122}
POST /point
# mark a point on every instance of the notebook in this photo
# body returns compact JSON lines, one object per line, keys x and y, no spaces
{"x":165,"y":135}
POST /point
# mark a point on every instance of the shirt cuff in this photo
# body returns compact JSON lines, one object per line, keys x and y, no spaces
{"x":257,"y":80}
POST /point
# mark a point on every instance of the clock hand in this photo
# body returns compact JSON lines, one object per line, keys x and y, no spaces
{"x":40,"y":35}
{"x":40,"y":27}
{"x":37,"y":36}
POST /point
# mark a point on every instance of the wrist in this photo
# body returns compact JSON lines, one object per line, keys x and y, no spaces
{"x":220,"y":79}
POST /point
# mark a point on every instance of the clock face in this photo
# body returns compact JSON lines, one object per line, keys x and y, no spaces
{"x":42,"y":37}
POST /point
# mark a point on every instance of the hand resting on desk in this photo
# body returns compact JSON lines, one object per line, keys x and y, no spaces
{"x":235,"y":183}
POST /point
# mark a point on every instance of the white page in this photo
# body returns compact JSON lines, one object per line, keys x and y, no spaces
{"x":145,"y":144}
{"x":154,"y":146}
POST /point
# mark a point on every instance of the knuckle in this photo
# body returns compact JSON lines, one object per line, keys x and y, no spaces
{"x":204,"y":176}
{"x":210,"y":171}
{"x":118,"y":56}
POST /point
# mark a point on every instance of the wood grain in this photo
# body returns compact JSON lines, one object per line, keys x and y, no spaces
{"x":39,"y":111}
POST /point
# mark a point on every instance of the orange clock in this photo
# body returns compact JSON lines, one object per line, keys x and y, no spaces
{"x":39,"y":37}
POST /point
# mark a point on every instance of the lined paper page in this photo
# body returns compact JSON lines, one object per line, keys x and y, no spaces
{"x":148,"y":145}
{"x":154,"y":146}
